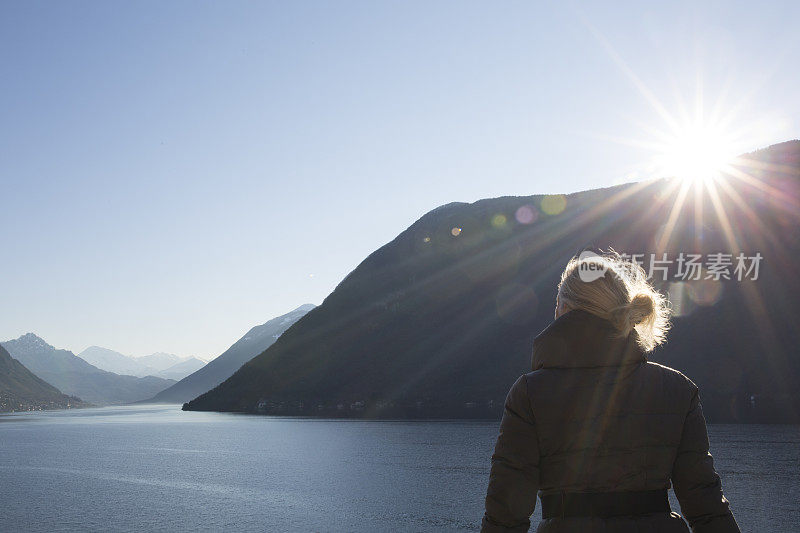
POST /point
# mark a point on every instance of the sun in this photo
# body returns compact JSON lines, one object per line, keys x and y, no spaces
{"x":696,"y":153}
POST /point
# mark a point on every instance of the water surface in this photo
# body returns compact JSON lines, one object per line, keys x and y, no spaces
{"x":156,"y":468}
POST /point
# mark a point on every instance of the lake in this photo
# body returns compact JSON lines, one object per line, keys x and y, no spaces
{"x":156,"y":468}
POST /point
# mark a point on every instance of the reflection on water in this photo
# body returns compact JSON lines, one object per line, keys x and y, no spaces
{"x":158,"y":468}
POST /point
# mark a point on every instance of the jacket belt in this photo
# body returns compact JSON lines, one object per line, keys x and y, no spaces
{"x":604,"y":504}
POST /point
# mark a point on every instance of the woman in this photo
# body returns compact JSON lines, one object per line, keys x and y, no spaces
{"x":598,"y":430}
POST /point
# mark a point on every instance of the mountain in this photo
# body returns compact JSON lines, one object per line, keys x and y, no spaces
{"x":159,"y":360}
{"x":218,"y":370}
{"x":163,"y":365}
{"x":182,"y":369}
{"x":74,"y":376}
{"x":440,"y":321}
{"x":22,"y":390}
{"x":112,"y":361}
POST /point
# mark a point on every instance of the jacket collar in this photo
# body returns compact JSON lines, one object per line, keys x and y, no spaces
{"x":579,"y":339}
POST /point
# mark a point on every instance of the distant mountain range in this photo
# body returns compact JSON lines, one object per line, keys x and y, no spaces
{"x":440,"y":321}
{"x":22,"y":390}
{"x":112,"y":361}
{"x":163,"y":365}
{"x":182,"y":369}
{"x":218,"y":370}
{"x":159,"y":360}
{"x":74,"y":376}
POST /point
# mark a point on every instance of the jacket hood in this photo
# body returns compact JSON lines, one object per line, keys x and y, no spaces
{"x":579,"y":339}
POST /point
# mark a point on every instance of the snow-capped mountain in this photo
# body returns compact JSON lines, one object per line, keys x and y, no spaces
{"x":116,"y":362}
{"x":159,"y":364}
{"x":76,"y":377}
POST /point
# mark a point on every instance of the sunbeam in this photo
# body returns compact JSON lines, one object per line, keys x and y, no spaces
{"x":696,"y":152}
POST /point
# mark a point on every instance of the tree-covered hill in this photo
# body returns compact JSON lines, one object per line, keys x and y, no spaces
{"x":21,"y":390}
{"x":440,"y":321}
{"x":255,"y":341}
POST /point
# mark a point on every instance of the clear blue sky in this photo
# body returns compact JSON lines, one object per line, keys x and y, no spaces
{"x":173,"y":173}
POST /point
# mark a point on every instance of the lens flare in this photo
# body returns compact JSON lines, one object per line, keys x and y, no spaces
{"x":705,"y":292}
{"x":697,"y":152}
{"x":499,"y":220}
{"x":554,"y":204}
{"x":527,"y":214}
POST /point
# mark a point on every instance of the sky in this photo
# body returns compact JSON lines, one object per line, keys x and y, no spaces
{"x":174,"y":173}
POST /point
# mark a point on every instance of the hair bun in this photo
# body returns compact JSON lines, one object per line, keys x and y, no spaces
{"x":641,"y":308}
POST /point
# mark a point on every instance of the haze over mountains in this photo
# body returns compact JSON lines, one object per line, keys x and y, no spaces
{"x":22,"y":390}
{"x":218,"y":370}
{"x":164,"y":365}
{"x":440,"y":321}
{"x":74,"y":376}
{"x":181,"y":369}
{"x":116,"y":362}
{"x":104,"y":376}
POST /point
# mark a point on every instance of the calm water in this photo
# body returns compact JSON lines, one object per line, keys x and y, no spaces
{"x":159,"y":469}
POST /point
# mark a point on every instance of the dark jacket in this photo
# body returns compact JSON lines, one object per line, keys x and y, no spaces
{"x":596,"y":416}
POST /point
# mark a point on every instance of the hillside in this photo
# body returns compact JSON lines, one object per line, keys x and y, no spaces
{"x":22,"y":390}
{"x":74,"y":376}
{"x":440,"y":321}
{"x":218,"y":370}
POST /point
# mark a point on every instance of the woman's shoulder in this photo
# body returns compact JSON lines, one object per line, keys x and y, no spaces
{"x":650,"y":371}
{"x":672,"y":375}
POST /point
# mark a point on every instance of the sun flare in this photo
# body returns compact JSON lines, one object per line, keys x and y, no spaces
{"x":696,"y":153}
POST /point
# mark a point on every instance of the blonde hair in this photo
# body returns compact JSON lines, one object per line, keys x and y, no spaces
{"x":621,"y":295}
